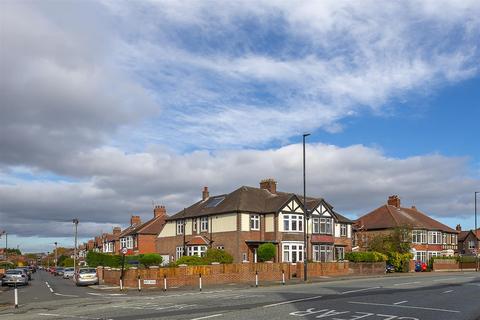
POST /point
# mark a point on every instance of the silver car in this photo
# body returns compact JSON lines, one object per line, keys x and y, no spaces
{"x":86,"y":276}
{"x":68,"y":273}
{"x":15,"y":277}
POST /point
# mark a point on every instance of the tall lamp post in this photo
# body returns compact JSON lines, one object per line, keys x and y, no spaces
{"x":477,"y":253}
{"x":75,"y":222}
{"x":6,"y":243}
{"x":305,"y":227}
{"x":55,"y":255}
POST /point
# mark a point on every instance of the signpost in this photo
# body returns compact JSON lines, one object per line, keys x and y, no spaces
{"x":124,"y":252}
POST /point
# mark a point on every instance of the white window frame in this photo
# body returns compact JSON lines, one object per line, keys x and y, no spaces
{"x":419,"y":236}
{"x":316,"y":225}
{"x":343,"y":230}
{"x":204,"y":224}
{"x":471,"y":244}
{"x":194,"y":224}
{"x":293,"y":223}
{"x":326,"y":225}
{"x":421,"y":256}
{"x":179,"y":252}
{"x":180,"y":226}
{"x":292,"y":250}
{"x":342,"y":255}
{"x":435,"y":237}
{"x":198,"y":251}
{"x":323,"y":252}
{"x":255,"y":222}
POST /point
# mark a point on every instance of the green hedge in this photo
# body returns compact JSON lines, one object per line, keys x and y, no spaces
{"x":368,"y":256}
{"x":150,"y":259}
{"x":212,"y":255}
{"x":401,"y":261}
{"x":266,"y":251}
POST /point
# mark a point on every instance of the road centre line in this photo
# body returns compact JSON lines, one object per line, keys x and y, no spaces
{"x":448,"y":291}
{"x":401,"y":306}
{"x":68,"y":316}
{"x":400,"y":302}
{"x":65,"y":295}
{"x":210,"y":316}
{"x":291,"y":301}
{"x":359,"y":290}
{"x":405,"y":283}
{"x":444,"y":279}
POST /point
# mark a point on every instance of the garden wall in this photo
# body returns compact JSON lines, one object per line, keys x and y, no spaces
{"x":188,"y":276}
{"x":452,"y":265}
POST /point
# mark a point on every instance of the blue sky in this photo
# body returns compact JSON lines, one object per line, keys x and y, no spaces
{"x":125,"y":109}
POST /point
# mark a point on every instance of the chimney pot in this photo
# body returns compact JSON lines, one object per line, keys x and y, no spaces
{"x":117,"y":230}
{"x":159,"y":211}
{"x":414,"y":208}
{"x":269,"y":184}
{"x":394,"y":201}
{"x":205,"y":193}
{"x":458,"y":227}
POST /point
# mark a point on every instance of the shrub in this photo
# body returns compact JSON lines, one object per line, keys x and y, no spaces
{"x":400,"y":261}
{"x":67,"y":262}
{"x":266,"y":252}
{"x":150,"y":259}
{"x":95,"y":259}
{"x":368,"y":256}
{"x":190,"y":260}
{"x":217,"y":255}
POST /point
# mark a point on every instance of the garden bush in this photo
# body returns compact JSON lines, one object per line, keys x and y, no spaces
{"x":190,"y":261}
{"x":150,"y":259}
{"x":266,"y":252}
{"x":217,"y":255}
{"x":368,"y":256}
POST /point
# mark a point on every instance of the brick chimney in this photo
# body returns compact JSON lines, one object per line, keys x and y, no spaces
{"x":269,"y":184}
{"x":117,"y":231}
{"x":159,"y":211}
{"x":205,"y":193}
{"x":134,"y":220}
{"x":394,"y":201}
{"x":458,"y":227}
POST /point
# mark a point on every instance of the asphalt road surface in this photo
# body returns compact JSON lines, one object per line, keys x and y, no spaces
{"x":435,"y":296}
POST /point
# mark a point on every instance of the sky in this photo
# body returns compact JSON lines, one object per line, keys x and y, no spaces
{"x":109,"y":107}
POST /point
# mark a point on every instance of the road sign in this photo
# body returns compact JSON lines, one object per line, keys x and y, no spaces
{"x":124,"y":250}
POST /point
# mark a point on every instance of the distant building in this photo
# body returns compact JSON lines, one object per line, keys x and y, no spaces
{"x":468,"y":241}
{"x":429,"y":237}
{"x":240,"y":221}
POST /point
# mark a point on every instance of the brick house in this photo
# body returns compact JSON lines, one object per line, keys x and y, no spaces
{"x":240,"y":221}
{"x":468,"y":241}
{"x":110,"y":241}
{"x":429,"y":237}
{"x":140,"y":238}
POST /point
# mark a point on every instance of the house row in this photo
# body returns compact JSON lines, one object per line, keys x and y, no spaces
{"x":240,"y":221}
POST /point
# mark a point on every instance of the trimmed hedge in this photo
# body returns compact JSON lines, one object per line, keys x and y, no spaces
{"x":212,"y":255}
{"x":368,"y":256}
{"x":150,"y":259}
{"x":266,"y":251}
{"x":190,"y":261}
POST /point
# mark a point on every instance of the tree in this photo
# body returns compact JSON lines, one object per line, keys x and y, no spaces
{"x":266,"y":251}
{"x":67,"y":262}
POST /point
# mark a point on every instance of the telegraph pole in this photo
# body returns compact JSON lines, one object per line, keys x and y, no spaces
{"x":305,"y":224}
{"x":75,"y":222}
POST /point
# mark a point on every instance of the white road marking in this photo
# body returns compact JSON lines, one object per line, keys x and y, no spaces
{"x":290,"y":301}
{"x":51,"y":290}
{"x":210,"y":316}
{"x":107,"y":294}
{"x":65,"y":295}
{"x":400,"y":306}
{"x":448,"y":291}
{"x":444,"y":279}
{"x":359,"y":290}
{"x":68,"y":316}
{"x":405,"y":283}
{"x":400,"y":302}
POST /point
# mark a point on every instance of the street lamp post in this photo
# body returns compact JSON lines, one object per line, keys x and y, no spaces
{"x":75,"y":222}
{"x":55,"y":255}
{"x":305,"y":227}
{"x":475,"y":232}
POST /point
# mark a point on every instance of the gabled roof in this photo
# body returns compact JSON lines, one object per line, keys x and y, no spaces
{"x":388,"y":217}
{"x":152,"y":226}
{"x":248,"y":199}
{"x":464,"y":234}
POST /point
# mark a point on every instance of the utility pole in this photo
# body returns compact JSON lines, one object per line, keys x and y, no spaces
{"x":55,"y":255}
{"x":75,"y":222}
{"x":475,"y":232}
{"x":305,"y":224}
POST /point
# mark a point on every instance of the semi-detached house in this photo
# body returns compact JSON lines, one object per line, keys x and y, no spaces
{"x":240,"y":221}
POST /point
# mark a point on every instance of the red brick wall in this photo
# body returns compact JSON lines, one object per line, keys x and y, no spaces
{"x":236,"y":273}
{"x":146,"y":243}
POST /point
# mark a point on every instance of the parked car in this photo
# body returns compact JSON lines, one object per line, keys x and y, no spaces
{"x":68,"y":273}
{"x":59,"y":271}
{"x":15,"y":276}
{"x":86,"y":276}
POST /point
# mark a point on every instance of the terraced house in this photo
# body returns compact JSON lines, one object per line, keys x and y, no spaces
{"x":240,"y":221}
{"x":428,"y":236}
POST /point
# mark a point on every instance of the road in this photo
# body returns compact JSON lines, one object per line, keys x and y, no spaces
{"x":435,"y":296}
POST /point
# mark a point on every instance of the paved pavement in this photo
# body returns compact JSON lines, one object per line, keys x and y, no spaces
{"x":438,"y":296}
